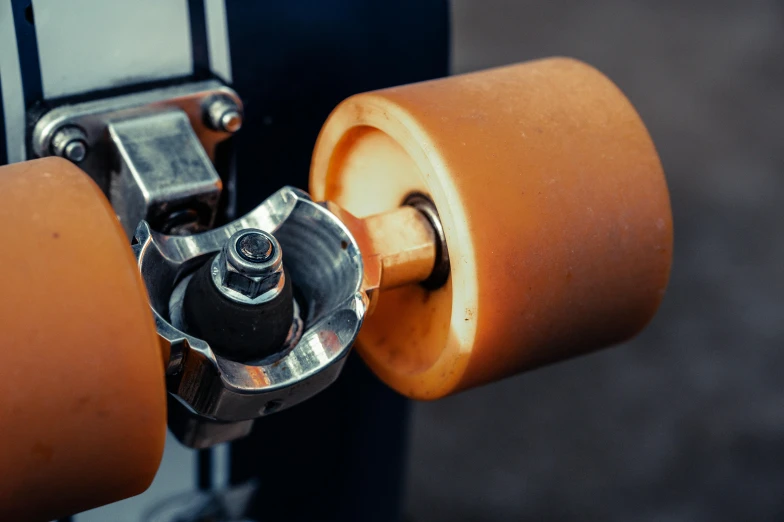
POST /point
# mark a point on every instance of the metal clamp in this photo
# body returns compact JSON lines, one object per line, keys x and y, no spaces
{"x":150,"y":152}
{"x":325,"y":266}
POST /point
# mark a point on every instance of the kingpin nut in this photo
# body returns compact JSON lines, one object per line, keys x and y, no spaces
{"x":250,"y":264}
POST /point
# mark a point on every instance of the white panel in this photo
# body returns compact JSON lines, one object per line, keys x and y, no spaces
{"x":11,"y":78}
{"x":218,"y":38}
{"x":95,"y":44}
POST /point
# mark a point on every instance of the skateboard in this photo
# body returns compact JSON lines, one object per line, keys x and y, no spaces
{"x":455,"y":232}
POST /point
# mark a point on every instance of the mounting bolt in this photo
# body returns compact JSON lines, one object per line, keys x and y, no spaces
{"x":222,"y":114}
{"x":250,"y":264}
{"x":70,"y":142}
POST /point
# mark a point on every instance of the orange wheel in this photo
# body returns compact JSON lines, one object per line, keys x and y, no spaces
{"x":555,"y":210}
{"x":82,"y":397}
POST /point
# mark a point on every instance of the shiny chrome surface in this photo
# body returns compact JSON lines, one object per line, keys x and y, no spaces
{"x":325,"y":265}
{"x":163,"y":170}
{"x":244,"y":280}
{"x":94,"y":118}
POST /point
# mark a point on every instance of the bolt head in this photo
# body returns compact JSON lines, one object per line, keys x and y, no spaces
{"x":75,"y":151}
{"x":231,"y":121}
{"x":223,"y":114}
{"x":250,"y":264}
{"x":69,"y":142}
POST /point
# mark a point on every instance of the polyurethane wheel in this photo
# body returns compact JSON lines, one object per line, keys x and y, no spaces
{"x":82,"y":396}
{"x":555,"y":210}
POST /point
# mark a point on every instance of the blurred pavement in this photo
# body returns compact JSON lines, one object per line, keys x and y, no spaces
{"x":685,"y":423}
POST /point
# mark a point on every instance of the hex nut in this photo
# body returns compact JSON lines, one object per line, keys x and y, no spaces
{"x":234,"y":270}
{"x":249,"y":286}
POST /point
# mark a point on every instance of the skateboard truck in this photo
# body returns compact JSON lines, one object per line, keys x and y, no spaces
{"x":558,"y":223}
{"x":259,"y":314}
{"x":549,"y":193}
{"x":247,"y":338}
{"x":214,"y":378}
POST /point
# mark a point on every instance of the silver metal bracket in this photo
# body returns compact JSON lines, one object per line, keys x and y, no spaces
{"x":151,"y":153}
{"x":164,"y":175}
{"x":224,"y":396}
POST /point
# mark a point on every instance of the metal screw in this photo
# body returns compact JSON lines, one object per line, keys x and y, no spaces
{"x":223,"y":114}
{"x":249,"y":266}
{"x":70,"y":142}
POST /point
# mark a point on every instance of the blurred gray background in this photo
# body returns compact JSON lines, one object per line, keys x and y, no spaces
{"x":687,"y":421}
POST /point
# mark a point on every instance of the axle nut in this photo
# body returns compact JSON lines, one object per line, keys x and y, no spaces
{"x":249,"y":269}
